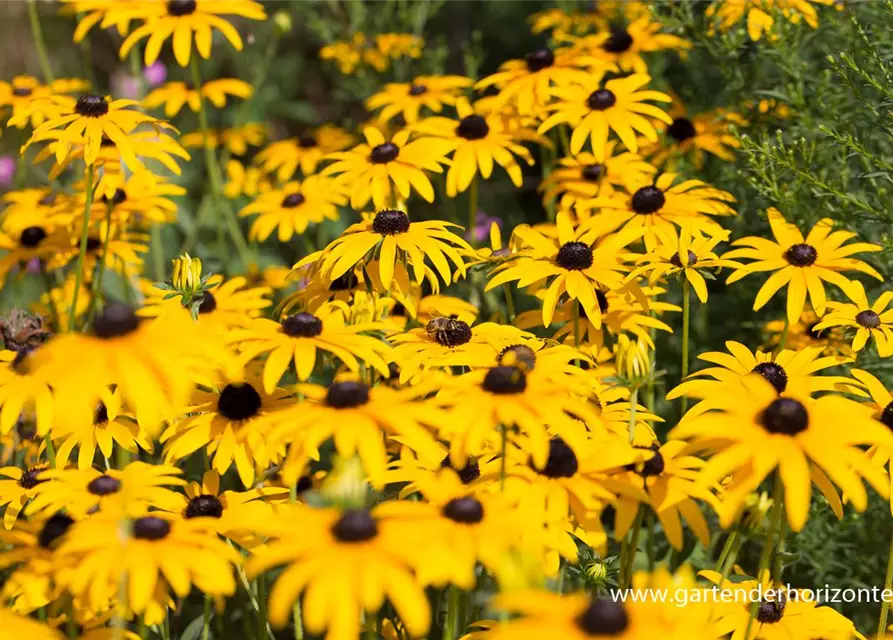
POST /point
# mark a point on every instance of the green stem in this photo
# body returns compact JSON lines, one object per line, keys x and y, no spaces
{"x":370,"y":633}
{"x":562,"y":575}
{"x":774,"y":524}
{"x":48,"y":285}
{"x":784,"y":335}
{"x":82,"y":251}
{"x":473,"y":211}
{"x":37,"y":32}
{"x":627,"y":573}
{"x":298,"y":621}
{"x":51,"y":450}
{"x":452,"y":615}
{"x":504,"y":448}
{"x":686,"y":317}
{"x":215,"y":176}
{"x":96,"y":290}
{"x":206,"y":621}
{"x":778,"y":566}
{"x":509,"y":303}
{"x":885,"y":604}
{"x":633,"y":402}
{"x":261,"y":606}
{"x":730,"y":542}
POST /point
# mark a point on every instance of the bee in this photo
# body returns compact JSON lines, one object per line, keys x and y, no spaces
{"x":448,"y":331}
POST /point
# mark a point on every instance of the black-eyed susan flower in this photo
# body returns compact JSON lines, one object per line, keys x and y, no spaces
{"x":786,"y":368}
{"x":477,"y":141}
{"x":462,"y":529}
{"x":760,"y":17}
{"x":576,"y":263}
{"x":184,"y":21}
{"x":20,"y":93}
{"x":90,"y":119}
{"x":298,"y":338}
{"x":110,"y":426}
{"x":593,"y":110}
{"x":393,"y":237}
{"x":527,"y":84}
{"x":671,"y":482}
{"x":624,"y":45}
{"x":285,"y":157}
{"x":868,"y":320}
{"x":16,"y":490}
{"x":152,"y":362}
{"x":230,"y":423}
{"x":43,"y":207}
{"x":344,"y":562}
{"x":137,"y":555}
{"x":174,"y":95}
{"x":244,"y":181}
{"x":408,"y":99}
{"x":424,"y":459}
{"x":292,"y":208}
{"x":128,"y":491}
{"x":226,"y":304}
{"x":376,"y":52}
{"x":236,"y":140}
{"x":33,"y":243}
{"x":356,"y":417}
{"x":450,"y":342}
{"x":781,"y":613}
{"x":695,"y":136}
{"x":487,"y":405}
{"x":688,"y":255}
{"x":658,"y":206}
{"x":585,"y":176}
{"x":803,"y":264}
{"x":756,"y":431}
{"x":387,"y":171}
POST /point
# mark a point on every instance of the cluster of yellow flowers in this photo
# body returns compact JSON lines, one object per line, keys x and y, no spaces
{"x":350,"y":419}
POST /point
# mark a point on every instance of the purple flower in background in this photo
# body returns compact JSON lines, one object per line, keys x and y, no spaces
{"x":482,"y":228}
{"x":7,"y":171}
{"x":125,"y":86}
{"x":155,"y":74}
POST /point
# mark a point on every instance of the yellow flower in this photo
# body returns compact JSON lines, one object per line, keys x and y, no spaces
{"x":187,"y":273}
{"x":869,"y":320}
{"x":181,"y":21}
{"x":242,"y":180}
{"x":236,"y":140}
{"x":174,"y":95}
{"x":20,"y":626}
{"x":655,"y":207}
{"x":695,"y":136}
{"x":756,"y":431}
{"x":293,"y":207}
{"x":305,"y":152}
{"x":22,"y":92}
{"x":17,"y":487}
{"x":803,"y":264}
{"x":761,"y":15}
{"x":801,"y":335}
{"x":424,"y":92}
{"x":592,"y":110}
{"x":387,"y":171}
{"x":633,"y":359}
{"x":89,"y":119}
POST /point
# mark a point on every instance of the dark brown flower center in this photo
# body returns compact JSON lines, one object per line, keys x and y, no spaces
{"x":619,"y":41}
{"x":390,"y":222}
{"x":574,"y":256}
{"x":115,"y":321}
{"x":539,"y":60}
{"x":676,"y":261}
{"x":117,"y":198}
{"x":504,"y":381}
{"x":648,"y":200}
{"x":31,"y":237}
{"x":562,"y":461}
{"x":384,"y":153}
{"x":238,"y":402}
{"x":603,"y":617}
{"x":518,"y":354}
{"x":104,"y":485}
{"x":473,"y":127}
{"x":601,"y":99}
{"x":682,"y":129}
{"x":774,"y":374}
{"x":467,"y":474}
{"x":801,"y":255}
{"x":204,"y":506}
{"x":54,"y":528}
{"x":887,"y":415}
{"x":654,"y":466}
{"x":91,"y":106}
{"x":178,"y":8}
{"x":151,"y":528}
{"x":101,"y":415}
{"x":302,"y":325}
{"x":466,"y":510}
{"x":772,"y":610}
{"x":93,"y":244}
{"x":22,"y":92}
{"x":868,"y":319}
{"x":293,"y":200}
{"x":30,"y":478}
{"x":209,"y":303}
{"x":355,"y":526}
{"x":418,"y":90}
{"x":785,"y":416}
{"x":594,"y":172}
{"x":347,"y":394}
{"x":307,"y":141}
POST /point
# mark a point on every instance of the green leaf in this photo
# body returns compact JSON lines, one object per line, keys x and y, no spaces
{"x":193,"y":630}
